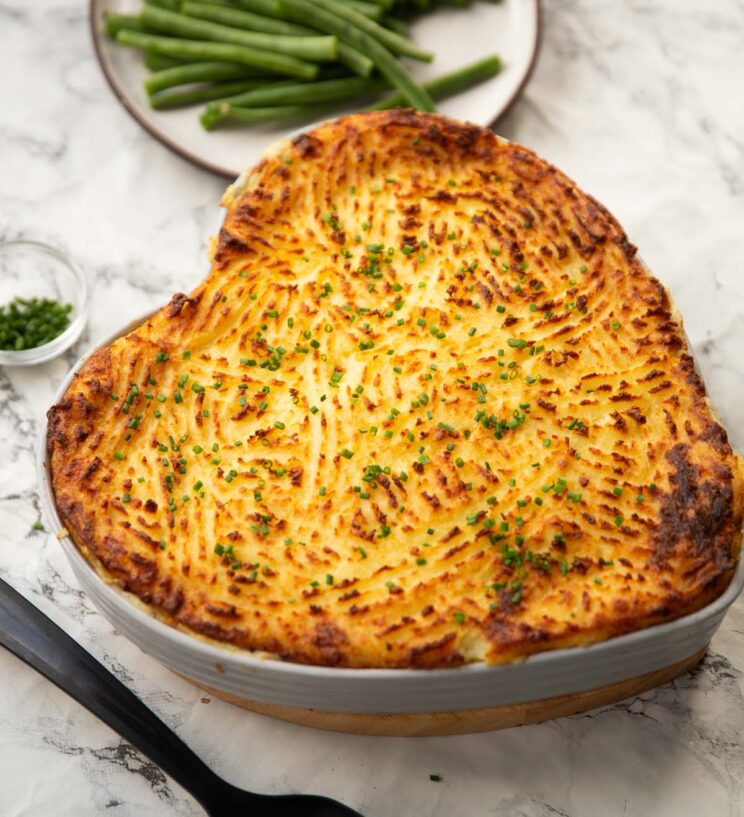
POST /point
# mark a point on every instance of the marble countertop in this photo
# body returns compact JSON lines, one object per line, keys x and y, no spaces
{"x":640,"y":102}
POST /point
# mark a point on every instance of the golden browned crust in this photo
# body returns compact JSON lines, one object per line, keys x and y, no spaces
{"x":428,"y":408}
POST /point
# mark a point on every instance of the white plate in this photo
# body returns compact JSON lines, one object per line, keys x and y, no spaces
{"x":457,"y":37}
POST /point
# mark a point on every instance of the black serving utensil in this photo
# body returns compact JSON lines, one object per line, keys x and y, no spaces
{"x":38,"y":641}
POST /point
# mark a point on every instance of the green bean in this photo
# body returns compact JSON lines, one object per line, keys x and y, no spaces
{"x":314,"y":49}
{"x":386,"y":63}
{"x":392,"y":41}
{"x":231,"y":16}
{"x":172,"y":5}
{"x":210,"y":119}
{"x":396,"y":25}
{"x":114,"y":23}
{"x":302,"y":93}
{"x":353,"y":58}
{"x":414,"y":6}
{"x":449,"y":84}
{"x":222,"y":52}
{"x":198,"y":72}
{"x":269,"y":8}
{"x":157,"y":62}
{"x":167,"y":100}
{"x":371,"y":10}
{"x":319,"y":92}
{"x":350,"y":57}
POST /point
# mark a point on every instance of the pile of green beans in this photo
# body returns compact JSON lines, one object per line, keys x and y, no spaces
{"x":26,"y":323}
{"x":273,"y":60}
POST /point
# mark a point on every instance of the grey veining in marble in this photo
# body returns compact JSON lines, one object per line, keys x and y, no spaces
{"x":641,"y":102}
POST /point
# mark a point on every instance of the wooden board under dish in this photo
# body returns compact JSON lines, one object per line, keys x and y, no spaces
{"x":463,"y":721}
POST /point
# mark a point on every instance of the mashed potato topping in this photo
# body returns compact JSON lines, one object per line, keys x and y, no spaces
{"x":427,"y":408}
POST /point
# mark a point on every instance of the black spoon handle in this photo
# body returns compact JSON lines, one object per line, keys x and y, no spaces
{"x":34,"y":638}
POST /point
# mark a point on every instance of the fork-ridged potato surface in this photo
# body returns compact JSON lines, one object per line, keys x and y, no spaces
{"x":427,"y":408}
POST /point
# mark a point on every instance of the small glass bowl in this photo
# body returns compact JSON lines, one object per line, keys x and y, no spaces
{"x":29,"y":269}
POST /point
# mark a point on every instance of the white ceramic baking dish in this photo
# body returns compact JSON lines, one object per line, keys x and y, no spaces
{"x":268,"y":682}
